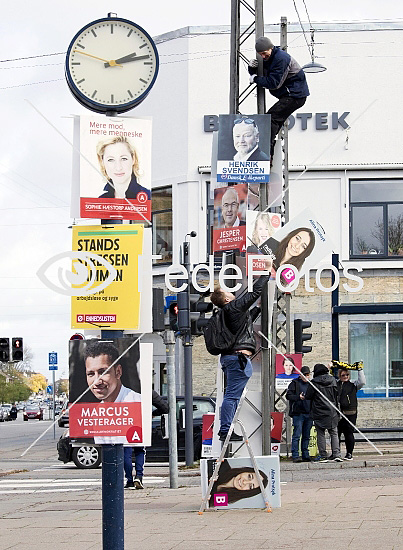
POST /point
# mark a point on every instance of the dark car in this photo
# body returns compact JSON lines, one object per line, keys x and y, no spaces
{"x":33,"y":411}
{"x":87,"y":455}
{"x":63,"y":419}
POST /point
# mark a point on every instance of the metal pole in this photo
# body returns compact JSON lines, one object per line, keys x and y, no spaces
{"x":234,"y":58}
{"x":112,"y":485}
{"x":335,"y":316}
{"x":54,"y":404}
{"x":112,"y":497}
{"x":259,"y":31}
{"x":169,"y":341}
{"x":187,"y":356}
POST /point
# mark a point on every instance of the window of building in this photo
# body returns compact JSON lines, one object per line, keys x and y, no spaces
{"x":162,"y":224}
{"x":376,"y":218}
{"x":380,"y":346}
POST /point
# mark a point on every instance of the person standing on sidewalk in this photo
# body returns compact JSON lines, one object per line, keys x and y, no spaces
{"x":299,"y":410}
{"x":325,"y":416}
{"x":348,"y":405}
{"x":140,"y":452}
{"x":236,"y":363}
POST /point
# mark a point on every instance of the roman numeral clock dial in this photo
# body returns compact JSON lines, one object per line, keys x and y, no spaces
{"x":111,"y":65}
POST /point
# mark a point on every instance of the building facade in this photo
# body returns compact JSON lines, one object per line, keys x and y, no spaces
{"x":345,"y":164}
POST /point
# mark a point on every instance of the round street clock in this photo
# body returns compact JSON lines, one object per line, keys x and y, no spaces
{"x":111,"y":65}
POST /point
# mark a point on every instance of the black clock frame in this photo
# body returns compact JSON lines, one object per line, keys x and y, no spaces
{"x":94,"y":105}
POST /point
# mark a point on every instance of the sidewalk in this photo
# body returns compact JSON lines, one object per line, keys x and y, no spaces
{"x":337,"y":516}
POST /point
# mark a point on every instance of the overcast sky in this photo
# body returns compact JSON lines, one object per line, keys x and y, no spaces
{"x":35,"y":160}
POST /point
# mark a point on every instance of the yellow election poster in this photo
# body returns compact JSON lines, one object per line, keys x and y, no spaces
{"x":105,"y":276}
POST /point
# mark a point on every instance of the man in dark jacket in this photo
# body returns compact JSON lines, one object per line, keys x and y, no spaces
{"x":284,"y":78}
{"x":348,"y":405}
{"x":139,"y":452}
{"x":299,"y":410}
{"x":236,"y":363}
{"x":325,"y":416}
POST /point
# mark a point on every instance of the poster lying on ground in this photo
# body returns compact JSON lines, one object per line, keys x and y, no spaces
{"x":237,"y":485}
{"x":243,"y":149}
{"x":111,"y":381}
{"x":115,"y":168}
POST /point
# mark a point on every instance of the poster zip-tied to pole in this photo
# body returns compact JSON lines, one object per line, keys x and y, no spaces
{"x":105,"y":277}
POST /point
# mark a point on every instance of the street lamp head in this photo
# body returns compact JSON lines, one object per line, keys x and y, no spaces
{"x":313,"y":67}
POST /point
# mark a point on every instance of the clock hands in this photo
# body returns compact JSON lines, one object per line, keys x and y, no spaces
{"x":128,"y":58}
{"x":110,"y":63}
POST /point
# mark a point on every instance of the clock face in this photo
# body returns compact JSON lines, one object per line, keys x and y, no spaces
{"x":111,"y":65}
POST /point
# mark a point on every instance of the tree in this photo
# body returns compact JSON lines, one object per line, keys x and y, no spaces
{"x":395,"y":234}
{"x":36,"y":382}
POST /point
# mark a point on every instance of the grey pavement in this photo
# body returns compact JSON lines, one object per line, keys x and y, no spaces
{"x":351,"y":505}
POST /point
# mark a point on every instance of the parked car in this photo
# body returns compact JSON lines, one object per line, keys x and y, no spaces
{"x":3,"y":414}
{"x":63,"y":419}
{"x":6,"y":407}
{"x":85,"y":454}
{"x":33,"y":411}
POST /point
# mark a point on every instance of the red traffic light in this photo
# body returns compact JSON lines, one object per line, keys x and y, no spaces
{"x":17,"y":353}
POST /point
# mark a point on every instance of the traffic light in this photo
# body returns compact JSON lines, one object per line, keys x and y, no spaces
{"x":173,"y":316}
{"x":17,"y":353}
{"x":183,"y":311}
{"x":198,"y":310}
{"x":4,"y":350}
{"x":300,"y":337}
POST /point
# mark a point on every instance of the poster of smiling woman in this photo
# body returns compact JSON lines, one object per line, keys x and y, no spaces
{"x":300,"y":245}
{"x":115,"y":168}
{"x":237,"y":485}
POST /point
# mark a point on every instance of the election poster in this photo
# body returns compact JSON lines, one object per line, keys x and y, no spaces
{"x":229,"y":230}
{"x":260,"y":226}
{"x":110,"y":391}
{"x":237,"y":485}
{"x":105,"y":277}
{"x":300,"y":244}
{"x":288,"y":367}
{"x":243,"y":149}
{"x":115,"y":168}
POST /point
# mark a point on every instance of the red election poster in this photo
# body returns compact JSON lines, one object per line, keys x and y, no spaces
{"x":115,"y":168}
{"x":230,"y":205}
{"x":110,"y":391}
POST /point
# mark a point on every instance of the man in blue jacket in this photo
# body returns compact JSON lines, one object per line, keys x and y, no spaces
{"x":285,"y":80}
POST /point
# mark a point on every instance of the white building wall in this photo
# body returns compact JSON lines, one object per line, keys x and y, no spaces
{"x":363,"y":77}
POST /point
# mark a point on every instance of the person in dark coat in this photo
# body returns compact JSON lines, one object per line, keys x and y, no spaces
{"x":285,"y":80}
{"x":321,"y":391}
{"x":299,"y":410}
{"x":236,"y":363}
{"x":139,"y":452}
{"x":348,"y":405}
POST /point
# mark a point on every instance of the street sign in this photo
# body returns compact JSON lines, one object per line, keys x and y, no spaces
{"x":52,"y":367}
{"x":77,"y":336}
{"x":52,"y":359}
{"x":48,"y":389}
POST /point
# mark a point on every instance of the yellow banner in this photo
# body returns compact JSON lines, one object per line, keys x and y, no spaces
{"x":106,"y":273}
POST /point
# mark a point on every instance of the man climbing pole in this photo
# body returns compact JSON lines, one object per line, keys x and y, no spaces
{"x":285,"y":80}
